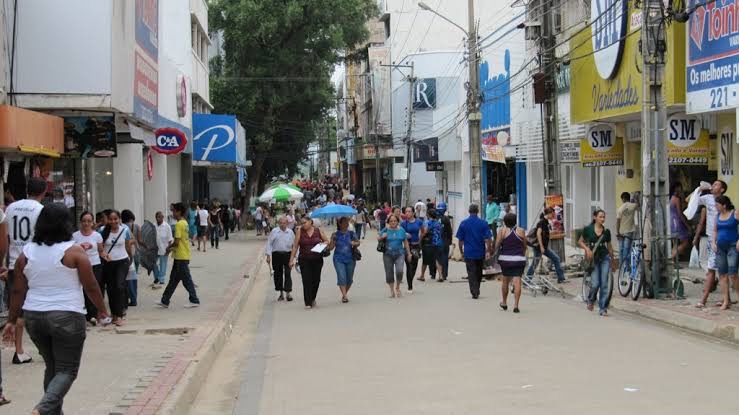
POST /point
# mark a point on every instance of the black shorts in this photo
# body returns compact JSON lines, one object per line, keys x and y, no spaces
{"x":201,"y":231}
{"x":512,"y":271}
{"x":9,"y":291}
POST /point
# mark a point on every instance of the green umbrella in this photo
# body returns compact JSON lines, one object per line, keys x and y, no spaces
{"x":280,"y":193}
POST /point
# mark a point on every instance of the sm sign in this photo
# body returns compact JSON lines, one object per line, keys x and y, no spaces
{"x":687,"y":143}
{"x":601,"y":147}
{"x":424,"y":94}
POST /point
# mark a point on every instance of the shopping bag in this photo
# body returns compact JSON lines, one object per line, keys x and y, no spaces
{"x":694,"y":258}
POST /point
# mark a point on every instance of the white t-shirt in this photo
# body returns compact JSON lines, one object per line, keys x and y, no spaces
{"x":164,"y":237}
{"x":258,"y":213}
{"x":90,"y":244}
{"x":708,"y":200}
{"x":52,"y":286}
{"x":203,"y":216}
{"x":118,"y":251}
{"x":21,"y":217}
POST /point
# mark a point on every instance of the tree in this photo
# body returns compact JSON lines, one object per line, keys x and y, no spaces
{"x":274,"y":72}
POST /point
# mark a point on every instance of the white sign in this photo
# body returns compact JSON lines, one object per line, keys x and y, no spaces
{"x":683,"y":130}
{"x":601,"y":137}
{"x":726,"y":150}
{"x":569,"y":151}
{"x":609,"y":34}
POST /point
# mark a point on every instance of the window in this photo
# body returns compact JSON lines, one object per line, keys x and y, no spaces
{"x":596,"y":195}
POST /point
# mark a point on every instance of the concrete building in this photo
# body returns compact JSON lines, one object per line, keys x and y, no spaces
{"x":118,"y":73}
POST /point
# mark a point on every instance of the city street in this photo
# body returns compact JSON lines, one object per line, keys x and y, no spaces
{"x":439,"y":352}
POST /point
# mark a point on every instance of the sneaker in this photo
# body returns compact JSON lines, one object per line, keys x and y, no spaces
{"x":603,"y":313}
{"x":19,"y":359}
{"x":161,"y":304}
{"x":192,"y":305}
{"x":409,"y":292}
{"x":93,"y":321}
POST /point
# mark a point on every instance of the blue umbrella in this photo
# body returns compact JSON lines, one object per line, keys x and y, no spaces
{"x":333,"y":211}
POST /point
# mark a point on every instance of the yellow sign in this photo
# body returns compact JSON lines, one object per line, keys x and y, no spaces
{"x":593,"y":98}
{"x":601,"y":147}
{"x":687,"y":143}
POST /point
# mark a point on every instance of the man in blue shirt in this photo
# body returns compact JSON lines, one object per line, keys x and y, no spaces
{"x":475,"y":245}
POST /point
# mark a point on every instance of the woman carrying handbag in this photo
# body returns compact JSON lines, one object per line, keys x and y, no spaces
{"x":596,"y":241}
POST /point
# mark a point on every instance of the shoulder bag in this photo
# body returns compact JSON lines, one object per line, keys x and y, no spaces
{"x":589,"y":264}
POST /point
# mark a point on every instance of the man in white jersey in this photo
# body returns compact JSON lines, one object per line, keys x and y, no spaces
{"x":21,"y":218}
{"x":202,"y":225}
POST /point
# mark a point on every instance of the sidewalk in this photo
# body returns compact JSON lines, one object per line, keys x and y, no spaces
{"x":134,"y":368}
{"x":680,"y":313}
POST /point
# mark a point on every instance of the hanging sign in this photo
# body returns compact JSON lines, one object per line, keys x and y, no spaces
{"x":601,"y":147}
{"x":727,"y":155}
{"x":169,"y":141}
{"x":687,"y":143}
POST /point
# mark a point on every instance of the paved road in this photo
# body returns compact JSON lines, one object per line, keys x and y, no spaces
{"x":440,"y":352}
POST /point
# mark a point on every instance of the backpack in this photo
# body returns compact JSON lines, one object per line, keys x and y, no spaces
{"x":531,"y":239}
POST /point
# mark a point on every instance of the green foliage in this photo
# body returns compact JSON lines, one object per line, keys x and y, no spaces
{"x":274,"y":74}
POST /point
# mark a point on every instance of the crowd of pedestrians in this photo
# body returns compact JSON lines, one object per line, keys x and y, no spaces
{"x":57,"y":278}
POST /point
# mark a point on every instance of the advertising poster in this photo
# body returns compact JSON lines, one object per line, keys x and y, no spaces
{"x":492,"y":144}
{"x":556,"y":202}
{"x":495,"y":85}
{"x":713,"y":56}
{"x":146,"y":62}
{"x":86,"y":137}
{"x":601,"y":147}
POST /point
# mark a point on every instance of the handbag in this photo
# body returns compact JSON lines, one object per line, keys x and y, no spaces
{"x":589,"y":264}
{"x":356,"y":255}
{"x":381,"y":246}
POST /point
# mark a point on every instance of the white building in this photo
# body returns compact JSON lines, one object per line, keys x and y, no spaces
{"x":127,"y":66}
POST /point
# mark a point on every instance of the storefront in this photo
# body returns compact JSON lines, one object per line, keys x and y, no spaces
{"x":606,"y":97}
{"x":30,"y":145}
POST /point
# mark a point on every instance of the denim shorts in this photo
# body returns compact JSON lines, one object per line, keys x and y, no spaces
{"x":726,"y":258}
{"x":344,"y":272}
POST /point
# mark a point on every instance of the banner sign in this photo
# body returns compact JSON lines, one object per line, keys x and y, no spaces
{"x":214,"y":138}
{"x":713,"y":56}
{"x":492,"y":144}
{"x":687,"y":143}
{"x":169,"y":141}
{"x":86,"y":137}
{"x":146,"y":62}
{"x":380,"y":80}
{"x":601,"y":147}
{"x":556,"y":202}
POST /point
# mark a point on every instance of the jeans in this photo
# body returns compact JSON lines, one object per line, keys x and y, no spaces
{"x":474,"y":275}
{"x":412,"y":265}
{"x":133,"y":292}
{"x":283,"y":281}
{"x":180,"y":272}
{"x":92,"y":311}
{"x":160,"y":271}
{"x":727,"y":258}
{"x":382,"y":224}
{"x":344,"y":272}
{"x":552,"y":257}
{"x":214,"y":235}
{"x":310,"y":271}
{"x":624,"y":248}
{"x":59,"y":337}
{"x":599,"y":283}
{"x":393,"y":263}
{"x":114,"y":278}
{"x":359,"y":229}
{"x":444,"y":260}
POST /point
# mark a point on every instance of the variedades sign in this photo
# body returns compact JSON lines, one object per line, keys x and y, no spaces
{"x":214,"y":138}
{"x":713,"y":56}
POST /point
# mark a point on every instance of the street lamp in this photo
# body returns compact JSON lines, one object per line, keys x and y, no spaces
{"x":473,"y":100}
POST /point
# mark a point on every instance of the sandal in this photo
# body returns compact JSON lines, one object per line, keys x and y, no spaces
{"x":699,"y":305}
{"x":503,"y":307}
{"x":4,"y":400}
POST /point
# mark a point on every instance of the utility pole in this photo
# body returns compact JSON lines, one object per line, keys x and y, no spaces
{"x":473,"y":109}
{"x":548,"y":64}
{"x":408,"y":139}
{"x":655,"y":180}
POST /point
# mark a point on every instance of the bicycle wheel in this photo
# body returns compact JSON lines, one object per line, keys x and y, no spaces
{"x":586,"y":284}
{"x":624,"y":279}
{"x":610,"y":288}
{"x":638,"y":282}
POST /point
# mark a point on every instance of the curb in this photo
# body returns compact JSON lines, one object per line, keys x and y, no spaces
{"x":176,"y":386}
{"x":683,"y":321}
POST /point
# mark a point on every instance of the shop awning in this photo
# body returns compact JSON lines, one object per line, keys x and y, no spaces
{"x":30,"y":132}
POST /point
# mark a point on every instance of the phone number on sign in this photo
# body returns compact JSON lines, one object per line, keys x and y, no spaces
{"x":688,"y":160}
{"x":603,"y":163}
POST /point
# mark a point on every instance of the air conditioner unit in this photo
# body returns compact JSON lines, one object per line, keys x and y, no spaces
{"x":532,"y":30}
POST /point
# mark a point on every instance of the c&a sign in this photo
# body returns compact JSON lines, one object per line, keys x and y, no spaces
{"x":169,"y":141}
{"x":601,"y":147}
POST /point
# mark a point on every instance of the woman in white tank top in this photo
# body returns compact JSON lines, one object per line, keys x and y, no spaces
{"x":51,"y":273}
